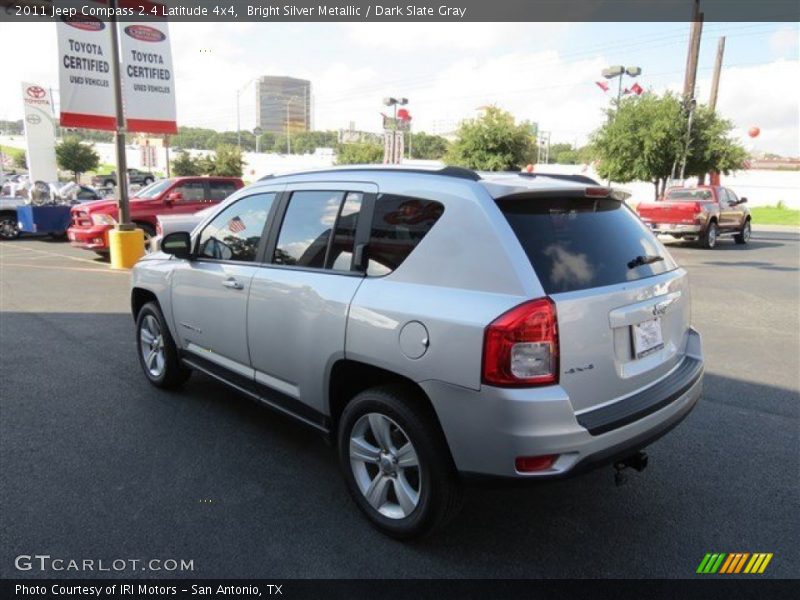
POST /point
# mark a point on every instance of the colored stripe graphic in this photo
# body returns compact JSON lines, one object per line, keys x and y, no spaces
{"x":734,"y":562}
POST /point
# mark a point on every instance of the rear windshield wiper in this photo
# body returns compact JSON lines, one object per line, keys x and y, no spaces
{"x":644,"y":260}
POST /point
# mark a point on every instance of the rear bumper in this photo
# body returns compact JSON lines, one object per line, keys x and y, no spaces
{"x":90,"y":238}
{"x":677,"y":228}
{"x":487,"y":429}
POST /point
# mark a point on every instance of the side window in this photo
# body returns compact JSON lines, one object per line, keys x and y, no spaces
{"x":722,"y":196}
{"x":399,"y":224}
{"x":306,"y":229}
{"x":219,"y":190}
{"x":192,"y":191}
{"x":732,"y":199}
{"x":235,"y":233}
{"x":340,"y":257}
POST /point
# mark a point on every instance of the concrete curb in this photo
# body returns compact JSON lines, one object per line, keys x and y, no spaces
{"x":781,"y":228}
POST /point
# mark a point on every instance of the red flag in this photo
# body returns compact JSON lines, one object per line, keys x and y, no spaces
{"x":602,"y":85}
{"x":637,"y":89}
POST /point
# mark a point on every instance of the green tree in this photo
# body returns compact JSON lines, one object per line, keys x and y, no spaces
{"x":492,"y":142}
{"x":427,"y":146}
{"x":359,"y":154}
{"x":73,"y":155}
{"x":184,"y":165}
{"x":711,"y":147}
{"x":229,"y":161}
{"x":563,"y":154}
{"x":645,"y":140}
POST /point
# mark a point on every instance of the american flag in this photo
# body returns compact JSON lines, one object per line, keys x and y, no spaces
{"x":236,"y":225}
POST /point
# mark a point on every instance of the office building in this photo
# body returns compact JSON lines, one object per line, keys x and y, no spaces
{"x":283,"y":103}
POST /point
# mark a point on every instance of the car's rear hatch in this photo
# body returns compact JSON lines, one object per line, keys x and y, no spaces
{"x":665,"y":211}
{"x":622,"y":303}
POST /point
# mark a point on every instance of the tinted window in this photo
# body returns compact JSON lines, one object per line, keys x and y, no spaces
{"x":235,"y":233}
{"x":399,"y":224}
{"x":340,"y":257}
{"x":690,"y":195}
{"x":219,"y":190}
{"x":306,"y":228}
{"x":192,"y":191}
{"x":579,"y":243}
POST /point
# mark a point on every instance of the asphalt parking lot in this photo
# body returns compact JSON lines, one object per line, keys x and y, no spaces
{"x":97,"y":464}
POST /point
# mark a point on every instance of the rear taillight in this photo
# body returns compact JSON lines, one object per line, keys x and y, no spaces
{"x":520,"y":347}
{"x":531,"y":464}
{"x":700,"y":213}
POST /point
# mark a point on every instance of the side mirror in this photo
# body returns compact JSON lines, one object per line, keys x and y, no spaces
{"x":742,"y":200}
{"x":178,"y":244}
{"x":175,"y":197}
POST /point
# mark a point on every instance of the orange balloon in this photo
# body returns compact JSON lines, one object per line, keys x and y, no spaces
{"x":753,"y":132}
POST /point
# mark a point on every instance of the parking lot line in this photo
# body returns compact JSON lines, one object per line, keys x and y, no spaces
{"x":59,"y":255}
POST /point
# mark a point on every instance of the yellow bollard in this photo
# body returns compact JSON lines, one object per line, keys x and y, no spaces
{"x":126,"y":247}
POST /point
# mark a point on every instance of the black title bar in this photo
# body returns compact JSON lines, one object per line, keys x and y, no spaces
{"x":415,"y":11}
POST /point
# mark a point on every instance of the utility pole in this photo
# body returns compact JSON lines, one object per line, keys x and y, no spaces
{"x":119,"y":134}
{"x":693,"y":51}
{"x":166,"y":152}
{"x":712,"y":101}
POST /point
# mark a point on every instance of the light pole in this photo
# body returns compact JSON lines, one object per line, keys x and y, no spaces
{"x":394,"y":102}
{"x":620,"y":71}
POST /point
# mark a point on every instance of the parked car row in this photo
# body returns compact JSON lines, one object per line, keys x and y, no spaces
{"x":177,"y":196}
{"x":438,"y":325}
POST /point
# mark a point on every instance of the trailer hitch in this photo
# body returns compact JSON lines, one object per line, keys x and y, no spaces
{"x":637,"y":462}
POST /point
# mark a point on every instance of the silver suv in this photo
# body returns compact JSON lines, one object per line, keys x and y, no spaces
{"x":437,"y":325}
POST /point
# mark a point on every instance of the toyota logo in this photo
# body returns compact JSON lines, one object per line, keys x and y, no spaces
{"x":33,"y":119}
{"x":34,"y":91}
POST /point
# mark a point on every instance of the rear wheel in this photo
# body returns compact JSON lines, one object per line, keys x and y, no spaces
{"x":8,"y":226}
{"x":158,"y":355}
{"x":149,"y":233}
{"x":709,"y":238}
{"x":744,"y":235}
{"x":396,"y":463}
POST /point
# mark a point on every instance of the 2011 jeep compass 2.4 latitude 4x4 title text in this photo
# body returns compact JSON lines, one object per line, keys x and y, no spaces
{"x":438,"y":324}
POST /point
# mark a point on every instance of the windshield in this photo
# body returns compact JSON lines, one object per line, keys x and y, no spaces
{"x":152,"y":190}
{"x":579,"y":243}
{"x":688,"y":195}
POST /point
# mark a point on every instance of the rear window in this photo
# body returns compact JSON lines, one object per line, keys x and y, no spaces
{"x":579,"y":243}
{"x":689,"y":195}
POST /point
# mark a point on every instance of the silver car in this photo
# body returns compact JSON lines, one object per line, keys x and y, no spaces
{"x":439,"y":325}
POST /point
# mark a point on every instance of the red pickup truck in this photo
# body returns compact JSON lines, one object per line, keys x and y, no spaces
{"x":703,"y":213}
{"x":91,"y":221}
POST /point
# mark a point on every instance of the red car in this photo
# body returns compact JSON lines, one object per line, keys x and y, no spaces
{"x":91,"y":221}
{"x":703,"y":213}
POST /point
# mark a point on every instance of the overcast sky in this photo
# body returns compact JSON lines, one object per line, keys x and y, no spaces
{"x":543,"y":72}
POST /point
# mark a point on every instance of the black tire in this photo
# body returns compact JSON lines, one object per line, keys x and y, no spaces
{"x":173,"y":374}
{"x":744,"y":235}
{"x":710,"y":236}
{"x":439,"y":489}
{"x":9,"y":229}
{"x":109,"y":183}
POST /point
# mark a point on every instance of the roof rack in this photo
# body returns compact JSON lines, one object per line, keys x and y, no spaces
{"x":458,"y":172}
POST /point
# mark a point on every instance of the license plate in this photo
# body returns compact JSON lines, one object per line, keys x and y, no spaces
{"x":647,"y":337}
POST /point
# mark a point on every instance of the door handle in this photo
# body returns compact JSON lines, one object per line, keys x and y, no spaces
{"x":233,"y":284}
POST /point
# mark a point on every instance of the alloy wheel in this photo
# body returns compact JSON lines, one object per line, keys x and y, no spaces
{"x":385,"y":465}
{"x":8,"y":229}
{"x":152,"y":346}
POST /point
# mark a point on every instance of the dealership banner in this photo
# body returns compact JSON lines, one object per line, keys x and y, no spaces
{"x":40,"y":134}
{"x":148,"y":82}
{"x":84,"y":72}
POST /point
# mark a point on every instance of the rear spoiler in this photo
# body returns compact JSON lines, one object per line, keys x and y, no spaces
{"x":563,"y":177}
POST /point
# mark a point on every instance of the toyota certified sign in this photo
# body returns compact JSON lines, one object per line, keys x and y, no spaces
{"x":84,"y":23}
{"x":143,"y":33}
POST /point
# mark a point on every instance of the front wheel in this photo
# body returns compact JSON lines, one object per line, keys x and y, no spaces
{"x":147,"y":180}
{"x":709,"y":238}
{"x":396,"y":463}
{"x":158,"y":355}
{"x":148,"y":234}
{"x":744,"y":235}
